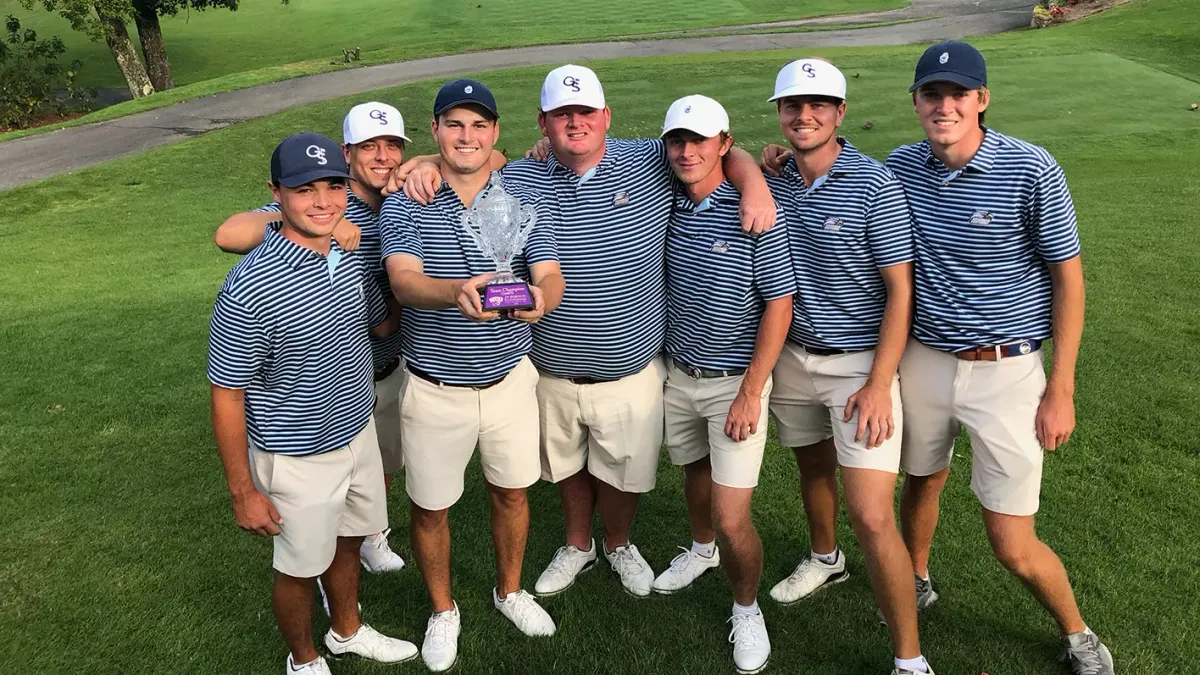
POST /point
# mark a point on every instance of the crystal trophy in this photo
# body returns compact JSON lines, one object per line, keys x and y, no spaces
{"x":499,"y":224}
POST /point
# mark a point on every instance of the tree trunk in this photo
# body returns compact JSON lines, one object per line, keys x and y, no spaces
{"x":117,"y":37}
{"x":153,"y":49}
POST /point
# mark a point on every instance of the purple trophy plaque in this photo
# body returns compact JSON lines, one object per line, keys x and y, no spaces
{"x":507,"y":297}
{"x":499,"y":224}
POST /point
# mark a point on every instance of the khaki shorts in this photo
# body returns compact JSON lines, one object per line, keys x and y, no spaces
{"x":809,"y":400}
{"x":997,"y":401}
{"x":320,"y":498}
{"x":696,"y":410}
{"x":442,"y":426}
{"x":387,"y":419}
{"x":614,"y":429}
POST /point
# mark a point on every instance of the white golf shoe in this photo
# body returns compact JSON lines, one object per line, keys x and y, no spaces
{"x":685,"y":568}
{"x":318,"y":667}
{"x":440,"y":648}
{"x":751,"y":644}
{"x":370,"y":644}
{"x":905,"y":671}
{"x":810,"y":576}
{"x":568,"y":563}
{"x":377,"y":556}
{"x":526,"y":614}
{"x":635,"y":573}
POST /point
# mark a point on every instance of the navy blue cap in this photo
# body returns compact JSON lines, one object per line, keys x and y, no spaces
{"x":954,"y":61}
{"x":464,"y":91}
{"x":305,"y":157}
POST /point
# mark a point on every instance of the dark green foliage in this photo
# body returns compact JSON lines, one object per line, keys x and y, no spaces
{"x":29,"y":75}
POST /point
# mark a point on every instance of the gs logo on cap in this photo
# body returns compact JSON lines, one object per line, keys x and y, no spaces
{"x":317,"y":153}
{"x":468,"y":89}
{"x":944,"y":58}
{"x":572,"y":82}
{"x":808,"y":70}
{"x":379,"y":115}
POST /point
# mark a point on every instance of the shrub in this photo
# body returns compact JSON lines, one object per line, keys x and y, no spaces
{"x":30,"y":73}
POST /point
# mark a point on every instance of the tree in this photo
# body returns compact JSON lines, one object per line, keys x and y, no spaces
{"x":108,"y":22}
{"x":106,"y":19}
{"x":145,"y":15}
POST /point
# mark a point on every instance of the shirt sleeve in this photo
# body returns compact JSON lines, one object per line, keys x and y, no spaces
{"x":376,"y":304}
{"x":654,"y":152}
{"x":774,"y":276}
{"x":273,"y":207}
{"x":237,"y":344}
{"x":398,"y":232}
{"x":1051,"y":217}
{"x":542,"y":245}
{"x":889,"y":225}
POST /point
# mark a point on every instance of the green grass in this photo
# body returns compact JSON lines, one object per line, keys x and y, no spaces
{"x":270,"y":74}
{"x":118,"y":552}
{"x":262,"y":33}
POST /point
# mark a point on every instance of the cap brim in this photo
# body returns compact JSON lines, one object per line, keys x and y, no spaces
{"x":946,"y":76}
{"x":465,"y":101}
{"x":581,"y":102}
{"x":402,"y":137}
{"x":310,"y":176}
{"x":707,"y":133}
{"x":800,"y":92}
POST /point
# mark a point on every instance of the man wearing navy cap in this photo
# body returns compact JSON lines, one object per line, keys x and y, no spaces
{"x":997,"y":275}
{"x":471,"y":384}
{"x":292,"y":395}
{"x":374,"y":137}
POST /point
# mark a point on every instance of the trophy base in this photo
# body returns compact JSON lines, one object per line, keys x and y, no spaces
{"x":507,"y":297}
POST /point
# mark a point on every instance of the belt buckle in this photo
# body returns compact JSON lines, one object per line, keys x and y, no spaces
{"x":694,"y":372}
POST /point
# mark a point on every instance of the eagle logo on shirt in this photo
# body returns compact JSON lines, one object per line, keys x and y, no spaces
{"x":719,"y":246}
{"x":621,"y":199}
{"x":834,"y":223}
{"x":981,"y":218}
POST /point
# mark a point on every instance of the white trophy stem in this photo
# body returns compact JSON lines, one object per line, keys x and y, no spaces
{"x":504,"y":273}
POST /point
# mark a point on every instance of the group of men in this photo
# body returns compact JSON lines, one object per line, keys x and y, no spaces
{"x":679,"y":294}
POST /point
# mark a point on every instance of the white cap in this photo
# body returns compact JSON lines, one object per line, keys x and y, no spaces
{"x":372,"y":120}
{"x":697,"y":113}
{"x":810,"y":77}
{"x":572,"y":85}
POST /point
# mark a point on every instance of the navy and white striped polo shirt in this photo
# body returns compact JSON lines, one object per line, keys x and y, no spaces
{"x":984,"y":235}
{"x":384,"y":351}
{"x":612,"y":227}
{"x":443,"y":342}
{"x":851,"y":222}
{"x":290,"y":327}
{"x":719,"y":280}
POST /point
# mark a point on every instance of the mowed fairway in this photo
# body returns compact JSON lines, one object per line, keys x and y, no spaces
{"x":118,"y":552}
{"x":263,"y":33}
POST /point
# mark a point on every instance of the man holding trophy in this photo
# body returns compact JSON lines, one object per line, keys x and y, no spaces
{"x":454,"y":264}
{"x":601,"y":389}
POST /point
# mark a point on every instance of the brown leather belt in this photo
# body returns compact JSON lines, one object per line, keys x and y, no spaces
{"x":433,"y":380}
{"x":997,"y":352}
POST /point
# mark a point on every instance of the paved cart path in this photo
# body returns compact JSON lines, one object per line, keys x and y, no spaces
{"x":36,"y":157}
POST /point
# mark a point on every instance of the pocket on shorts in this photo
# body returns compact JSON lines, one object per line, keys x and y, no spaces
{"x":406,"y":396}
